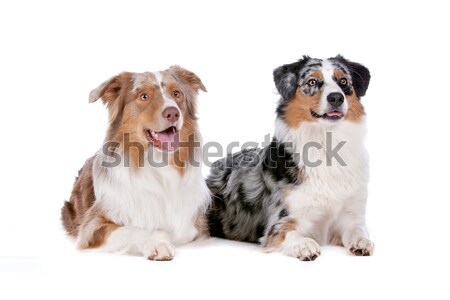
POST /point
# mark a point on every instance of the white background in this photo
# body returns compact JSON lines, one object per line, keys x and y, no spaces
{"x":52,"y":53}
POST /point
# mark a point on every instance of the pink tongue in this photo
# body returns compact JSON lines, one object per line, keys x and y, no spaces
{"x":169,"y":139}
{"x":334,"y":114}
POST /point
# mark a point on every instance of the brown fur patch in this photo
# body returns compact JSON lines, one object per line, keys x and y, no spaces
{"x":101,"y":233}
{"x":137,"y":116}
{"x":355,"y":109}
{"x":316,"y":74}
{"x":81,"y":200}
{"x":299,"y":108}
{"x":189,"y":78}
{"x":78,"y":215}
{"x":188,"y":84}
{"x":113,"y":96}
{"x":171,"y":87}
{"x":275,"y":240}
{"x":95,"y":229}
{"x":191,"y":84}
{"x":338,"y":74}
{"x":188,"y":141}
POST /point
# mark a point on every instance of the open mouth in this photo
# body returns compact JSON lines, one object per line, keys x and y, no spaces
{"x":167,"y":139}
{"x":331,"y":115}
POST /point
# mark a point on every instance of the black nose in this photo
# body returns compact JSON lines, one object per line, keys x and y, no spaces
{"x":335,"y":99}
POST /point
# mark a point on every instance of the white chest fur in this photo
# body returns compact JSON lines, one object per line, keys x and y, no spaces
{"x":152,"y":198}
{"x":331,"y":186}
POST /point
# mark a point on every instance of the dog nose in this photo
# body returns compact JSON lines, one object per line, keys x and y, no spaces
{"x":335,"y":99}
{"x":171,"y":114}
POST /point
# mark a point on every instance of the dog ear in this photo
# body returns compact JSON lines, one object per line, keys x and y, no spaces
{"x":286,"y":78}
{"x":110,"y":91}
{"x":360,"y":75}
{"x":188,"y":77}
{"x":192,"y":83}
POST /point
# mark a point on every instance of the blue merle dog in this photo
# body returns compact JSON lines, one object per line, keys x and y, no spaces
{"x":292,"y":196}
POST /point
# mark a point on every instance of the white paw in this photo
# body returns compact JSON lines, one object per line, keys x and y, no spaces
{"x":361,"y":247}
{"x":159,"y":250}
{"x":303,"y":248}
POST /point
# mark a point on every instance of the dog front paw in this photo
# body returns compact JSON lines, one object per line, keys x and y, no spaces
{"x":159,"y":251}
{"x":361,"y":247}
{"x":305,"y":249}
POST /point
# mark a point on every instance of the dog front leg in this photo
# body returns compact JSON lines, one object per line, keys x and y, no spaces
{"x":107,"y":236}
{"x":286,"y":236}
{"x":354,"y":235}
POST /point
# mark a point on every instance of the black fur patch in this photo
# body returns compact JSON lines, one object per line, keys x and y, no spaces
{"x":283,"y":213}
{"x":287,"y":77}
{"x":359,"y":73}
{"x":214,"y":225}
{"x":279,"y":163}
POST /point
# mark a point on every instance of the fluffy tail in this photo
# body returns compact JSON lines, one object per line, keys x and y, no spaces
{"x":68,"y":218}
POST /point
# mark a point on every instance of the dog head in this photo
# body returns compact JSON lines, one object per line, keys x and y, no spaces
{"x":153,"y":108}
{"x":318,"y":90}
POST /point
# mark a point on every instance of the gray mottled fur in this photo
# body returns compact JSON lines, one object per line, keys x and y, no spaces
{"x":248,"y":188}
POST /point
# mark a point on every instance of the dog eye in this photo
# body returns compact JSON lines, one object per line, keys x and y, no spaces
{"x":312,"y":82}
{"x":343,"y":81}
{"x":176,"y":93}
{"x":143,"y":96}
